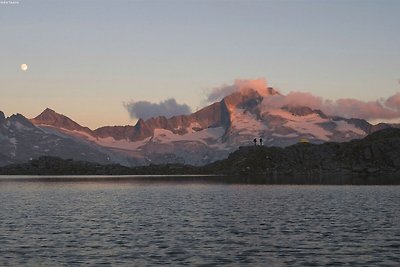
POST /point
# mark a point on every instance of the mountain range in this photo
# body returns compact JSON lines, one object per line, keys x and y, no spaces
{"x":374,"y":159}
{"x":200,"y":138}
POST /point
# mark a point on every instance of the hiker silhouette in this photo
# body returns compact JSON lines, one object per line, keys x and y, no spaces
{"x":261,"y":141}
{"x":255,"y":141}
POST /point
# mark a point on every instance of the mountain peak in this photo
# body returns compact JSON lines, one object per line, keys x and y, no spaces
{"x":272,"y":91}
{"x":251,"y":91}
{"x":48,"y":111}
{"x":249,"y":96}
{"x":20,"y":119}
{"x":243,"y":99}
{"x":50,"y":117}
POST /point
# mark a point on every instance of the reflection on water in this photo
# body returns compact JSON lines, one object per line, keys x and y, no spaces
{"x":136,"y":222}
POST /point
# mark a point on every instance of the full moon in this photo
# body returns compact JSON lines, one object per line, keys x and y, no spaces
{"x":24,"y":67}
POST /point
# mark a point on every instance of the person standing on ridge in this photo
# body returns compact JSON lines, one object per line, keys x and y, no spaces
{"x":261,"y":141}
{"x":255,"y":141}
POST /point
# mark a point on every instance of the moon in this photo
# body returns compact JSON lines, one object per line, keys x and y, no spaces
{"x":24,"y":67}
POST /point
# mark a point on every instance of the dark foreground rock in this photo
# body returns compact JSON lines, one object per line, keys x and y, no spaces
{"x":57,"y":166}
{"x":378,"y":153}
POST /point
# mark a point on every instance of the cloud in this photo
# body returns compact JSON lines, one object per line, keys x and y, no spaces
{"x":146,"y":109}
{"x":217,"y":93}
{"x":292,"y":99}
{"x":353,"y":108}
{"x":345,"y":107}
{"x":393,"y":102}
{"x":382,"y":108}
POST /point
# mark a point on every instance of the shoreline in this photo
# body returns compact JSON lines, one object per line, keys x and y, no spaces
{"x":388,"y":180}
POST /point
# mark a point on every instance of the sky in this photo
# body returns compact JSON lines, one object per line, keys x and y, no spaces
{"x":91,"y":59}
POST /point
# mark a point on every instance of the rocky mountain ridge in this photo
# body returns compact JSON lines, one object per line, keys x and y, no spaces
{"x":21,"y":140}
{"x":199,"y":138}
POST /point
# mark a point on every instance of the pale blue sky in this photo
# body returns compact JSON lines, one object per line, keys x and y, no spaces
{"x":87,"y":57}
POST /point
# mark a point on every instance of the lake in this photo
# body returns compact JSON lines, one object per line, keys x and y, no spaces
{"x":195,"y":221}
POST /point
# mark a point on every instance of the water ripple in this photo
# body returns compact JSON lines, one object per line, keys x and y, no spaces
{"x":105,"y":224}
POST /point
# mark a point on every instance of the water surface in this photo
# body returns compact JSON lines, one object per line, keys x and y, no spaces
{"x":134,"y":222}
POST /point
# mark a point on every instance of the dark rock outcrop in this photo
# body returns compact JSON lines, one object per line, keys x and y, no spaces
{"x":302,"y":110}
{"x":378,"y":153}
{"x":56,"y":166}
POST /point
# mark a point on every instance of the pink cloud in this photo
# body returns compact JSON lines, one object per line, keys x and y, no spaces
{"x":217,"y":93}
{"x":292,"y":99}
{"x":259,"y":85}
{"x":344,"y":107}
{"x":383,"y":108}
{"x":393,"y":101}
{"x":304,"y":99}
{"x":353,"y":108}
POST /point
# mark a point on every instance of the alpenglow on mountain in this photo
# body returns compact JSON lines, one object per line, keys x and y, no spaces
{"x":202,"y":137}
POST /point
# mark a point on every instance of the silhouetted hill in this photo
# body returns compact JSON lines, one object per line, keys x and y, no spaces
{"x":378,"y":153}
{"x":57,"y":166}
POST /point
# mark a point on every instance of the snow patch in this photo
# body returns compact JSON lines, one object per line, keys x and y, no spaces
{"x":304,"y":124}
{"x":13,"y":141}
{"x":20,"y":126}
{"x":166,"y":136}
{"x":246,"y":122}
{"x":291,"y":135}
{"x":121,"y":144}
{"x":343,"y":126}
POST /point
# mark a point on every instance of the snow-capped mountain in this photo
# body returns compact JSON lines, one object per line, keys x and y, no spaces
{"x":21,"y":140}
{"x":199,"y":138}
